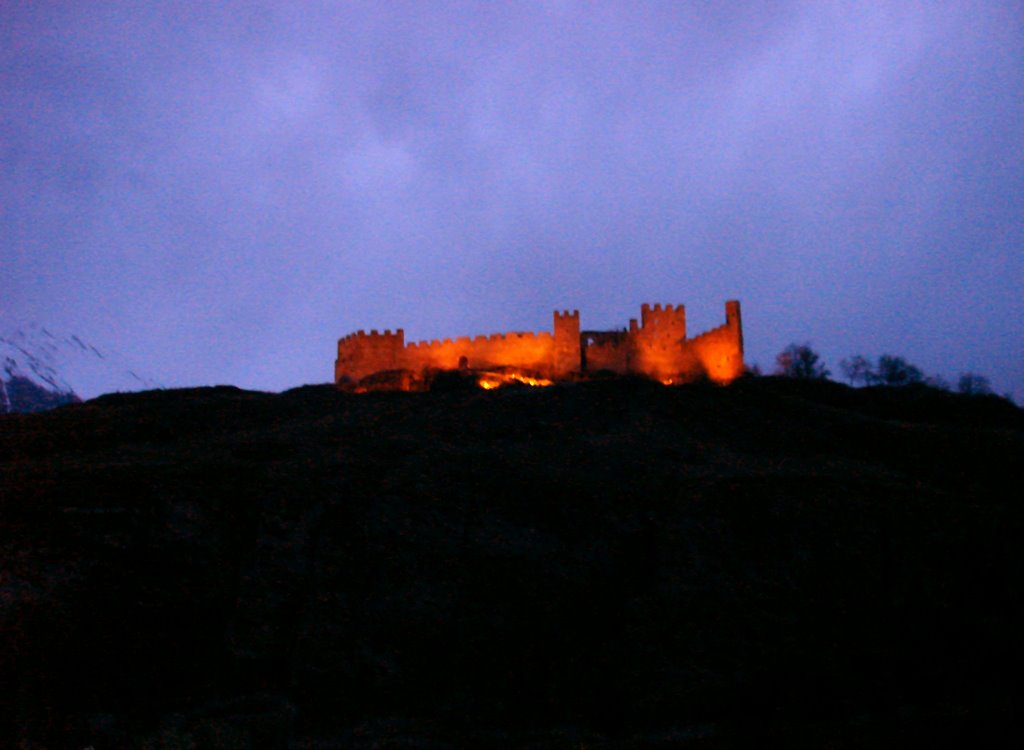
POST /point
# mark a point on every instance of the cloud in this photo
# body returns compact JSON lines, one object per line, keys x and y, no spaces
{"x":246,"y":182}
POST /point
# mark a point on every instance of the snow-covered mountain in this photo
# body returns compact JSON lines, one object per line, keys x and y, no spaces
{"x":40,"y":369}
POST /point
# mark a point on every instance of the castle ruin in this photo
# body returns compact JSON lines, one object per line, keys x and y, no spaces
{"x":655,"y":347}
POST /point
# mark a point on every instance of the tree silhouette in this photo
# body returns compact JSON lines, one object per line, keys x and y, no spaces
{"x":857,"y":369}
{"x":973,"y":384}
{"x":802,"y":362}
{"x":894,"y":370}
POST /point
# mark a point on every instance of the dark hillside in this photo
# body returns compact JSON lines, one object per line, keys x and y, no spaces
{"x":613,"y":564}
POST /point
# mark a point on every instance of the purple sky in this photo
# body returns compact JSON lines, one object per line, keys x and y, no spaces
{"x":219,"y":190}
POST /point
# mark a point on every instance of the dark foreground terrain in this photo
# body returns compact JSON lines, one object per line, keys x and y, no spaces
{"x":605,"y":565}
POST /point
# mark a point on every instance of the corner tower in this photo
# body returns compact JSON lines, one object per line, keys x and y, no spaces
{"x":361,"y":354}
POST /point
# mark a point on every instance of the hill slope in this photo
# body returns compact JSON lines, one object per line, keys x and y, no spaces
{"x":611,"y":564}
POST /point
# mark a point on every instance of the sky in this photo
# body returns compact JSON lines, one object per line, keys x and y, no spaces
{"x":219,"y":191}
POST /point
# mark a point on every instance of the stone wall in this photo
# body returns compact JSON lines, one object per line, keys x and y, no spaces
{"x":656,"y":348}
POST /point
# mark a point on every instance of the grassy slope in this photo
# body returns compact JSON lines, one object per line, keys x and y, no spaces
{"x":601,"y":562}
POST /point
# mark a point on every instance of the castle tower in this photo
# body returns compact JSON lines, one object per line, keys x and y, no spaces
{"x":658,"y":346}
{"x":667,"y":326}
{"x":361,"y":354}
{"x":566,"y":355}
{"x":733,"y":320}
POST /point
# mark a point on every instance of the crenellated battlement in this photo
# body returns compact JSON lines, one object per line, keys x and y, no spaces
{"x":646,"y":309}
{"x":480,"y":339}
{"x":655,"y":346}
{"x":668,"y":319}
{"x":386,"y":334}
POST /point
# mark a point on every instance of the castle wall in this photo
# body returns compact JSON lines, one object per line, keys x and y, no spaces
{"x":665,"y":361}
{"x":720,"y":350}
{"x":718,"y":354}
{"x":531,"y":351}
{"x":658,"y":348}
{"x":610,"y":351}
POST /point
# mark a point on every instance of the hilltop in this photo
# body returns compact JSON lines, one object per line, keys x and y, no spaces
{"x":610,"y":564}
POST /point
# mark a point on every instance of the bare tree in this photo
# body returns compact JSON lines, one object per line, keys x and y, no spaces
{"x":857,"y":369}
{"x":802,"y":362}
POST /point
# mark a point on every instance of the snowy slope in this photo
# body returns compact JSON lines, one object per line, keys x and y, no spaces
{"x":61,"y":364}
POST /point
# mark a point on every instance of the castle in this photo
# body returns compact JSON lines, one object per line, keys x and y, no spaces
{"x":656,"y":347}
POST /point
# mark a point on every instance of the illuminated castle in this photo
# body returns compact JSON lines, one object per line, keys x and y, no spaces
{"x":656,"y":347}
